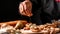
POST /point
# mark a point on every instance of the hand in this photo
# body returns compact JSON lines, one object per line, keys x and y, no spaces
{"x":25,"y":8}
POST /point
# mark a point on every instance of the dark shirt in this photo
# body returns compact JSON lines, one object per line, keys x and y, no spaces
{"x":45,"y":10}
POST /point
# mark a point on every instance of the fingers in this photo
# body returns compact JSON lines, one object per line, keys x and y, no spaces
{"x":26,"y":13}
{"x":25,"y":8}
{"x":22,"y":13}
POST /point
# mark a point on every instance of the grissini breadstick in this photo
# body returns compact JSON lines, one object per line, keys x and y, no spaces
{"x":13,"y":23}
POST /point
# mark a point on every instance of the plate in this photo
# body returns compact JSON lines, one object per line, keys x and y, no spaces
{"x":30,"y":32}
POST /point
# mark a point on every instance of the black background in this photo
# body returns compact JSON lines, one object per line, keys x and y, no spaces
{"x":9,"y":10}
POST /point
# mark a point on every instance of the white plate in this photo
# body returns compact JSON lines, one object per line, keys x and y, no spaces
{"x":30,"y":32}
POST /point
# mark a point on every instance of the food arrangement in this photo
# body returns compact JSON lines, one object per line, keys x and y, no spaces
{"x":22,"y":26}
{"x":12,"y":26}
{"x":44,"y":29}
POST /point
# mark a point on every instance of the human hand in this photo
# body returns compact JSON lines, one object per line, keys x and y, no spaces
{"x":25,"y":8}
